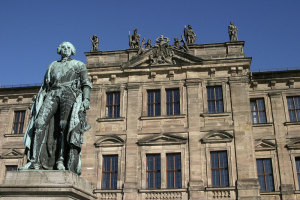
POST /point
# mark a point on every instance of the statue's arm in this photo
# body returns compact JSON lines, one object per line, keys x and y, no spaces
{"x":86,"y":86}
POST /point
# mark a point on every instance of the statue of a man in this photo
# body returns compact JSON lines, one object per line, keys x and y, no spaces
{"x":189,"y":34}
{"x":232,"y":31}
{"x":53,"y":137}
{"x":134,"y":40}
{"x":95,"y":42}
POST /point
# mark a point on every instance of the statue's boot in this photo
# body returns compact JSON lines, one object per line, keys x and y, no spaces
{"x":37,"y":147}
{"x":60,"y":162}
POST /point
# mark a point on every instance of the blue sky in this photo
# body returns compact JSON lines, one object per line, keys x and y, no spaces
{"x":31,"y":30}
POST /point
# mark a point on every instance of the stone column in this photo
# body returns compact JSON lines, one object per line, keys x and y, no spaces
{"x":196,"y":187}
{"x":247,"y":181}
{"x":131,"y":169}
{"x":284,"y":162}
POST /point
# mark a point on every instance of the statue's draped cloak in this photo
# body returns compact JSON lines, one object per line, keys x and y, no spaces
{"x":76,"y":125}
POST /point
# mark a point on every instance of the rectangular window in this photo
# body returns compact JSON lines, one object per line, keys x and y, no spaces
{"x":219,"y":169}
{"x":298,"y":170}
{"x":294,"y":108}
{"x":265,"y":175}
{"x":174,"y":170}
{"x":110,"y":172}
{"x":258,"y":111}
{"x":173,"y":101}
{"x":215,"y":99}
{"x":19,"y":122}
{"x":153,"y":102}
{"x":11,"y":167}
{"x":153,"y":171}
{"x":113,"y":104}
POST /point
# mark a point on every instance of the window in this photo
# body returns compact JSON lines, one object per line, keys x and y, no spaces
{"x":219,"y":169}
{"x":110,"y":172}
{"x":19,"y":122}
{"x":153,"y":102}
{"x":173,"y":102}
{"x":113,"y":104}
{"x":153,"y":171}
{"x":294,"y":108}
{"x":258,"y":111}
{"x":298,"y":170}
{"x":215,"y":99}
{"x":265,"y":175}
{"x":11,"y":167}
{"x":174,"y":170}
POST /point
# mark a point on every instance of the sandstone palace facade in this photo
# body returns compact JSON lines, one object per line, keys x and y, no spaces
{"x":173,"y":122}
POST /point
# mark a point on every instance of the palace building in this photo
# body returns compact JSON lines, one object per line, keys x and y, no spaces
{"x":178,"y":122}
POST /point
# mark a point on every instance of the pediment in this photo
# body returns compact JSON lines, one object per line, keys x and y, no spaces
{"x":294,"y":144}
{"x":109,"y":141}
{"x":12,"y":154}
{"x":152,"y":57}
{"x":162,"y":139}
{"x":217,"y":137}
{"x":264,"y":145}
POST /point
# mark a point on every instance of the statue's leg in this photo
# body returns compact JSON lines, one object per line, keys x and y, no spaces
{"x":65,"y":112}
{"x":46,"y":112}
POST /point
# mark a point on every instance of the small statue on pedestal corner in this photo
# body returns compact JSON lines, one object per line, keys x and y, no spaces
{"x":95,"y":43}
{"x":148,"y":44}
{"x":54,"y":135}
{"x":232,"y":31}
{"x":134,"y":40}
{"x":189,"y":34}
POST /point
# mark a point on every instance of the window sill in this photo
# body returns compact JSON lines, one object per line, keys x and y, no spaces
{"x":14,"y":135}
{"x":261,"y":125}
{"x":291,"y":123}
{"x":163,"y":190}
{"x":224,"y":114}
{"x":107,"y":191}
{"x":163,"y":117}
{"x":110,"y":119}
{"x":219,"y":188}
{"x":270,"y":193}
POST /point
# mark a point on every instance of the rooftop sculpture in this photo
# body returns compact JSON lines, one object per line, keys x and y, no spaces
{"x":232,"y":31}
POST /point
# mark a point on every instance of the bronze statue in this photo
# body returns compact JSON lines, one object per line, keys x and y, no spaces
{"x":53,"y":137}
{"x":95,"y":43}
{"x":189,"y":34}
{"x":134,"y":40}
{"x":232,"y":30}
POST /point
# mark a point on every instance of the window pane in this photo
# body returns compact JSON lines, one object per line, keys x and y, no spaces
{"x":170,"y":180}
{"x":211,"y":107}
{"x":260,"y":169}
{"x":11,"y":167}
{"x":261,"y":104}
{"x":292,"y":115}
{"x":268,"y":166}
{"x":219,"y":94}
{"x":214,"y":160}
{"x":157,"y":180}
{"x":219,"y":106}
{"x":114,"y":181}
{"x":223,"y":159}
{"x":253,"y":106}
{"x":290,"y":102}
{"x":210,"y":93}
{"x":262,"y":183}
{"x":150,"y":180}
{"x":157,"y":162}
{"x":254,"y":118}
{"x":150,"y":162}
{"x":170,"y":161}
{"x":178,"y":179}
{"x":215,"y":178}
{"x":297,"y":102}
{"x":224,"y":178}
{"x":270,"y":183}
{"x":176,"y":95}
{"x":176,"y":109}
{"x":262,"y":117}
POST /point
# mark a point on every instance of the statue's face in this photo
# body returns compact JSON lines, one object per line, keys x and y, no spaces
{"x":66,"y":50}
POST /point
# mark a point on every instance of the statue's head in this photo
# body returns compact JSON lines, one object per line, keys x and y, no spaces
{"x":66,"y":49}
{"x":135,"y":31}
{"x":231,"y":23}
{"x":189,"y":26}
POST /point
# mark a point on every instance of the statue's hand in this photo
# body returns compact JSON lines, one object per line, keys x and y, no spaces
{"x":86,"y":104}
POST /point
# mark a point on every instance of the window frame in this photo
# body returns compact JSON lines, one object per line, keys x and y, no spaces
{"x":153,"y":103}
{"x":219,"y":169}
{"x":113,"y":105}
{"x":110,"y":172}
{"x":294,"y":108}
{"x":153,"y":171}
{"x":173,"y":170}
{"x":258,"y":111}
{"x":272,"y":173}
{"x":173,"y":102}
{"x":215,"y":100}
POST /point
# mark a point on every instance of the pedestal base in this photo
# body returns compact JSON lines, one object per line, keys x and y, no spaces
{"x":45,"y":185}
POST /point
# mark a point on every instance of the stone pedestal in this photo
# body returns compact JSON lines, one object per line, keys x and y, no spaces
{"x":45,"y":185}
